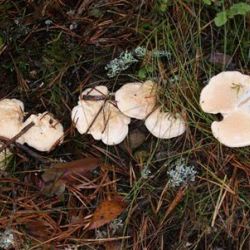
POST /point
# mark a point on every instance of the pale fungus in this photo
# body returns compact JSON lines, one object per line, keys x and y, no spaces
{"x":45,"y":134}
{"x":228,"y":93}
{"x":99,"y":117}
{"x":165,"y":125}
{"x":85,"y":113}
{"x":11,"y":117}
{"x":136,"y":99}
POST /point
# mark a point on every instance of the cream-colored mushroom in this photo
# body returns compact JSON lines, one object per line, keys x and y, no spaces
{"x":228,"y":93}
{"x":84,"y":114}
{"x":234,"y":129}
{"x":165,"y":125}
{"x":100,"y":117}
{"x":225,"y":92}
{"x":136,"y":99}
{"x":116,"y":125}
{"x":11,"y":117}
{"x":46,"y":132}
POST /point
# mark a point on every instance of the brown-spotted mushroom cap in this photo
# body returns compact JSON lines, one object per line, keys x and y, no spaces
{"x":165,"y":125}
{"x":136,"y":99}
{"x":46,"y":133}
{"x":11,"y":117}
{"x":84,"y":114}
{"x":225,"y":92}
{"x":234,"y":129}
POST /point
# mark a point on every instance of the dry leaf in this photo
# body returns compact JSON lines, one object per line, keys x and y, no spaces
{"x":220,"y":58}
{"x":65,"y":171}
{"x":60,"y":174}
{"x":107,"y":211}
{"x":39,"y":229}
{"x":112,"y":245}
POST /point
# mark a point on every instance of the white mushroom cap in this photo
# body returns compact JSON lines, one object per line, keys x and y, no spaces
{"x":165,"y":125}
{"x":225,"y":92}
{"x":228,"y":93}
{"x":136,"y":99}
{"x":46,"y":132}
{"x":116,"y":125}
{"x":85,"y":112}
{"x":100,"y":118}
{"x":234,"y":129}
{"x":11,"y":117}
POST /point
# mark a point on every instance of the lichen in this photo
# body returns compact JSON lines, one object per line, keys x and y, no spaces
{"x":126,"y":59}
{"x":7,"y":239}
{"x":181,"y":174}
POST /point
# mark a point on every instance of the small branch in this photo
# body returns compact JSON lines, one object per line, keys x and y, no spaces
{"x":93,"y":98}
{"x":99,"y":111}
{"x":13,"y":139}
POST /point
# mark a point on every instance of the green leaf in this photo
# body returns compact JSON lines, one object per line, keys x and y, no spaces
{"x":221,"y":18}
{"x":238,"y":9}
{"x":142,"y":73}
{"x":207,"y":2}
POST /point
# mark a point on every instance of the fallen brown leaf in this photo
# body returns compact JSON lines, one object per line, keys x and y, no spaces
{"x":220,"y":58}
{"x":107,"y":211}
{"x":113,"y":245}
{"x":39,"y":229}
{"x":61,"y":174}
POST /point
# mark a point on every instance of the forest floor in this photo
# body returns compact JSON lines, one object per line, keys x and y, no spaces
{"x":122,"y":197}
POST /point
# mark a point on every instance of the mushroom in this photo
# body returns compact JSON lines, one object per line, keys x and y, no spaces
{"x":165,"y":125}
{"x":84,"y":114}
{"x":99,"y":117}
{"x":234,"y":129}
{"x":11,"y":118}
{"x":136,"y":99}
{"x":116,"y":125}
{"x":228,"y":93}
{"x":46,"y":132}
{"x":225,"y":92}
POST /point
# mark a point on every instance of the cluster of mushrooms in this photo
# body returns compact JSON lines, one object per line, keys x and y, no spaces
{"x":108,"y":120}
{"x":43,"y":133}
{"x":227,"y":93}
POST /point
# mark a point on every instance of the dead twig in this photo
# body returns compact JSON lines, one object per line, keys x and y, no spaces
{"x":13,"y":139}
